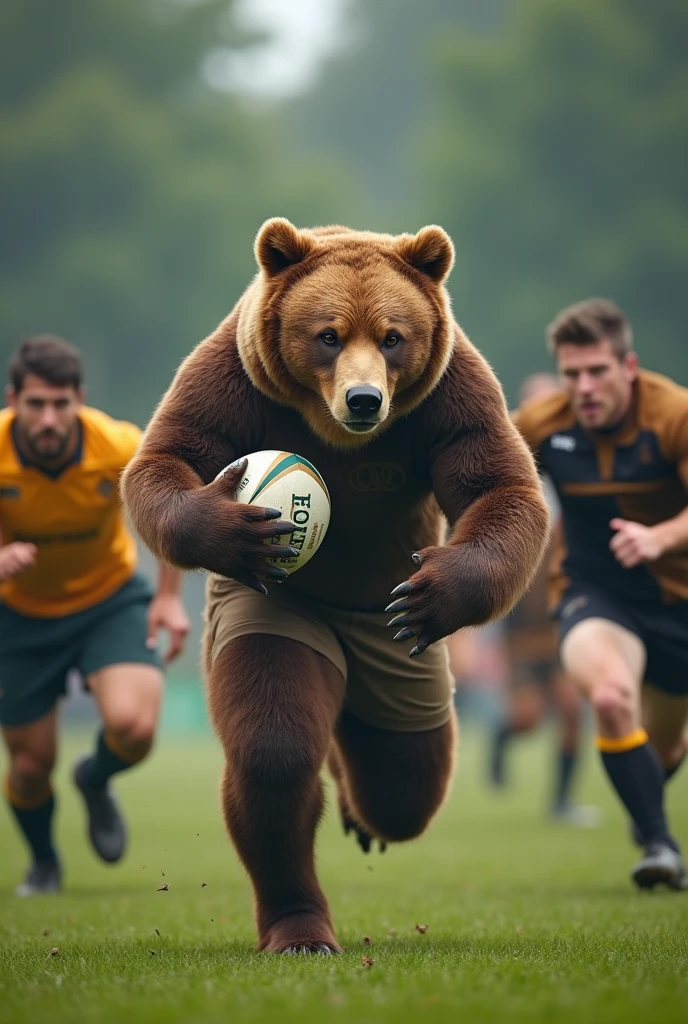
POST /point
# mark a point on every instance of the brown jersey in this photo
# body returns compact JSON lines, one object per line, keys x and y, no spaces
{"x":637,"y":472}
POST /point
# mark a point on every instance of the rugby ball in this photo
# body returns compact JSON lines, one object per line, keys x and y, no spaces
{"x":290,"y":483}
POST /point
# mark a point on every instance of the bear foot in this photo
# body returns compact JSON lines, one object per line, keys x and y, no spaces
{"x":364,"y":839}
{"x":309,"y":949}
{"x":300,"y":935}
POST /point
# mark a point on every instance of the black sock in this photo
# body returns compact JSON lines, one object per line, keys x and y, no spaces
{"x":104,"y":763}
{"x":35,"y":824}
{"x":566,"y":767}
{"x":637,"y":775}
{"x":502,"y":734}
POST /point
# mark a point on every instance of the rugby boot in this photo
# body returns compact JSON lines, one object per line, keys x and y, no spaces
{"x":661,"y":865}
{"x":106,"y":828}
{"x":44,"y":876}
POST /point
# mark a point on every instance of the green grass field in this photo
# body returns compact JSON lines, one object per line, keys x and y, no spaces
{"x":526,"y":921}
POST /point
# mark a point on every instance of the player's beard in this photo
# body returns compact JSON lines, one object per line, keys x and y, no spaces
{"x":51,"y":448}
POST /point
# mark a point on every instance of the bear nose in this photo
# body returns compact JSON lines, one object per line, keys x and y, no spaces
{"x":364,"y":401}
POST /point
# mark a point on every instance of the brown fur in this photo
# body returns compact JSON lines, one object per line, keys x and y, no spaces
{"x":266,"y":378}
{"x":392,"y":784}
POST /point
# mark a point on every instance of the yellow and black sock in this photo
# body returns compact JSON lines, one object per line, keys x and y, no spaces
{"x":34,"y":818}
{"x":636,"y":773}
{"x":107,"y":760}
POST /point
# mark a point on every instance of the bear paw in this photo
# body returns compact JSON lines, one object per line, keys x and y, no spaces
{"x":364,"y":839}
{"x":309,"y":949}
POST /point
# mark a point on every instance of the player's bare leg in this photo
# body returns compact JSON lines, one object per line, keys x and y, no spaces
{"x":666,"y":718}
{"x":128,"y":698}
{"x":32,"y":750}
{"x":607,"y":662}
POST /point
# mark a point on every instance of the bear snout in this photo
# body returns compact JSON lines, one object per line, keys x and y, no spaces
{"x":364,"y":402}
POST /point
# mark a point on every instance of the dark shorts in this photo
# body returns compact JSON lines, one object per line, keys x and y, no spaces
{"x":663,"y":629}
{"x":36,"y":654}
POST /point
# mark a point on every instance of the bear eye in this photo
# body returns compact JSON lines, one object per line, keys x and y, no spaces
{"x":328,"y":338}
{"x":392,"y":339}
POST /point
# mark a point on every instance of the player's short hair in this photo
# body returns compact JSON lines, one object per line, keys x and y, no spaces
{"x":46,"y":356}
{"x":589,"y":322}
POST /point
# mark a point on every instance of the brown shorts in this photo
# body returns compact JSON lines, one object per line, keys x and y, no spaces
{"x":384,"y":687}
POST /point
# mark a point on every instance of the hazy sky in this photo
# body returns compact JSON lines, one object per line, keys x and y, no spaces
{"x":305,"y":31}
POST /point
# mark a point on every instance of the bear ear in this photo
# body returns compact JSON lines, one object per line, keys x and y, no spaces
{"x":280,"y":245}
{"x":431,"y":252}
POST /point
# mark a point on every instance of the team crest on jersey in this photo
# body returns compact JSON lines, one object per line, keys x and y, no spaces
{"x":574,"y":605}
{"x":562,"y":442}
{"x":9,"y":492}
{"x":105,"y":487}
{"x":377,"y":476}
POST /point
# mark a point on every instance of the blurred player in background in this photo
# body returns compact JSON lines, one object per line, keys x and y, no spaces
{"x":71,"y":598}
{"x":615,"y":445}
{"x":535,"y":681}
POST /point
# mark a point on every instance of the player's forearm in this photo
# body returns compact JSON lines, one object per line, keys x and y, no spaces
{"x":673,"y":533}
{"x":169,"y":581}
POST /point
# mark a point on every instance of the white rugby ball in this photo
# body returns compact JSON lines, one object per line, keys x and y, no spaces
{"x":292,"y":484}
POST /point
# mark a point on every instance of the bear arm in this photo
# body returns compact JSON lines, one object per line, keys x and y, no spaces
{"x":486,"y":484}
{"x":186,"y":444}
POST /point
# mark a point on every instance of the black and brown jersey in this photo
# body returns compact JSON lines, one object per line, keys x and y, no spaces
{"x":637,"y":472}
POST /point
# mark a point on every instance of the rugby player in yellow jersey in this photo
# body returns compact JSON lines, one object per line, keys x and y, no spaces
{"x":614,"y":443}
{"x":71,"y":598}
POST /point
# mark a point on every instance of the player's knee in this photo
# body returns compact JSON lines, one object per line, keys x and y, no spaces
{"x":613,"y":704}
{"x":30,"y":773}
{"x":133,"y":731}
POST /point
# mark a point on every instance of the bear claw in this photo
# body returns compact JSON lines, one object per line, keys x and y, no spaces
{"x":308,"y":949}
{"x":363,"y":838}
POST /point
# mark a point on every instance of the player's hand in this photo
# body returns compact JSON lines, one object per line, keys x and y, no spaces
{"x":167,"y":612}
{"x":446,"y":594}
{"x":228,"y":537}
{"x":15,"y":558}
{"x":633,"y":543}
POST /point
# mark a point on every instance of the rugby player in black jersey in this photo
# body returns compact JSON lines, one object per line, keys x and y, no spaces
{"x":614,"y":442}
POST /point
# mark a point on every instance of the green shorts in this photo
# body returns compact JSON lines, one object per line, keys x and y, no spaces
{"x":36,"y":654}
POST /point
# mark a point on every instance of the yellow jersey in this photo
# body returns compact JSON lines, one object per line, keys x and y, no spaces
{"x":75,"y":519}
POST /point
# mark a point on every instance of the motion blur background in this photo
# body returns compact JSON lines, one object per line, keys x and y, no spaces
{"x":145,"y":141}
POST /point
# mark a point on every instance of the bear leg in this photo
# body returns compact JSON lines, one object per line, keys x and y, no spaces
{"x":274,"y":702}
{"x":395,"y":782}
{"x":364,"y":839}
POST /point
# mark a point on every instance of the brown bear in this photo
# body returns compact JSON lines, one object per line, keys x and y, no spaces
{"x":343,"y":350}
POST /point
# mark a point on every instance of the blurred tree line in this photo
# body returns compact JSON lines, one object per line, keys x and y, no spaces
{"x":550,"y":139}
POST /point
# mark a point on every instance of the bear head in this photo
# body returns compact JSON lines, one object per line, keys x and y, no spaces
{"x":353,"y":329}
